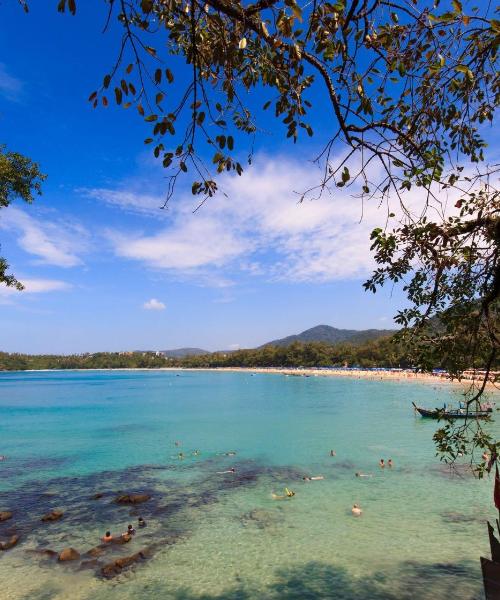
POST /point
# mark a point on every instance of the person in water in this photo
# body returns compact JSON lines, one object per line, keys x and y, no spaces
{"x":141,"y":522}
{"x":381,"y":463}
{"x":180,"y":456}
{"x":389,"y":463}
{"x":356,"y":510}
{"x":107,"y":538}
{"x":131,"y":530}
{"x":231,"y":470}
{"x":289,"y":493}
{"x":360,"y":474}
{"x":196,"y":453}
{"x":315,"y":478}
{"x":333,"y":453}
{"x":485,"y":456}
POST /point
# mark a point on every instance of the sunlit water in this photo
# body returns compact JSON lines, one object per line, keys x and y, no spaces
{"x":70,"y":435}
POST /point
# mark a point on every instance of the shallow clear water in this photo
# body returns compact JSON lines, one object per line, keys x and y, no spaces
{"x":70,"y":435}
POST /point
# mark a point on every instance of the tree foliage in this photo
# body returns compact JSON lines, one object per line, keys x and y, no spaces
{"x":411,"y":85}
{"x":20,"y":178}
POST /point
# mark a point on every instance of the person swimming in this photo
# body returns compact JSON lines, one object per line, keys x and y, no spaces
{"x":315,"y":478}
{"x":485,"y":456}
{"x":288,"y":494}
{"x":141,"y":522}
{"x":180,"y":456}
{"x":130,"y":530}
{"x":356,"y":510}
{"x":381,"y":463}
{"x":196,"y":453}
{"x":360,"y":474}
{"x":389,"y":463}
{"x":107,"y":538}
{"x":333,"y":453}
{"x":232,"y":470}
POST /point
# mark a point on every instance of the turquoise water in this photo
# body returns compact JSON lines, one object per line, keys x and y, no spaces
{"x":70,"y":435}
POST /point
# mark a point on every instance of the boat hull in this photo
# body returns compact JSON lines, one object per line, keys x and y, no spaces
{"x":451,"y":414}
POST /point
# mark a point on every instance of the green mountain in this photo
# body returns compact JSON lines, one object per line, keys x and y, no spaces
{"x":332,"y":335}
{"x":182,"y":352}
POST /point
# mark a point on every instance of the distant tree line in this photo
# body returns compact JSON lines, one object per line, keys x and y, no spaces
{"x":382,"y":352}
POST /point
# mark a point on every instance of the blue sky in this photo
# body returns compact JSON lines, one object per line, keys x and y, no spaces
{"x":106,"y":269}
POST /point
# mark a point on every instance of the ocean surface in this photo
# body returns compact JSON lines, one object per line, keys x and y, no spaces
{"x":75,"y":441}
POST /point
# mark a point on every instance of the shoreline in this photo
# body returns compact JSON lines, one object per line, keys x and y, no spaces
{"x":398,"y":376}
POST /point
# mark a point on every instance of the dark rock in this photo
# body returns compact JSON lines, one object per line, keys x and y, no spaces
{"x":55,"y":515}
{"x":10,"y":543}
{"x":44,"y":552}
{"x":89,"y":564}
{"x":123,"y":539}
{"x":98,"y":495}
{"x":133,"y":498}
{"x":5,"y":515}
{"x":68,"y":554}
{"x":117,"y":566}
{"x":97,"y":551}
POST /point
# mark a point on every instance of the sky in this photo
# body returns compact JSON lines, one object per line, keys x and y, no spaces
{"x":106,"y":269}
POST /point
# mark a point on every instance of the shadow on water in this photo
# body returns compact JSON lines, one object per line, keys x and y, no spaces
{"x":319,"y":581}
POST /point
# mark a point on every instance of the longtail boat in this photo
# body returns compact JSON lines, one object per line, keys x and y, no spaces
{"x":456,"y":413}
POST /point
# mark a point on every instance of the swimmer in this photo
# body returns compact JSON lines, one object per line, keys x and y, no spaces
{"x":107,"y":538}
{"x":180,"y":456}
{"x":232,"y":470}
{"x":288,"y":494}
{"x":316,"y":478}
{"x":230,"y":453}
{"x":130,"y":530}
{"x":360,"y":474}
{"x":389,"y":463}
{"x":333,"y":453}
{"x":381,"y":463}
{"x":141,"y":522}
{"x":485,"y":456}
{"x":356,"y":510}
{"x":177,"y":443}
{"x":196,"y":453}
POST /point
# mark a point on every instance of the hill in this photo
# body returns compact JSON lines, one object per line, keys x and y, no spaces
{"x":182,"y":352}
{"x":332,"y":335}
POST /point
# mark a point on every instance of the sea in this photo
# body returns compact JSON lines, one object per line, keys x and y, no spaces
{"x":214,"y":451}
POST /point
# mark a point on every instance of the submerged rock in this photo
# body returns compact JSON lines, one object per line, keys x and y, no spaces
{"x":44,"y":552}
{"x":122,"y":539}
{"x":68,"y":554}
{"x":10,"y":543}
{"x":55,"y":515}
{"x":5,"y":515}
{"x":97,"y":551}
{"x":89,"y":564}
{"x":133,"y":498}
{"x":117,"y":566}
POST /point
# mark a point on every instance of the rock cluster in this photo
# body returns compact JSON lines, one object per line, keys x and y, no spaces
{"x":117,"y":566}
{"x":133,"y":498}
{"x":55,"y":515}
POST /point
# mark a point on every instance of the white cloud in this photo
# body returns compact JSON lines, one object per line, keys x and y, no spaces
{"x":259,"y":226}
{"x":54,"y":243}
{"x":34,"y":286}
{"x":154,"y":304}
{"x":10,"y":87}
{"x":126,"y":199}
